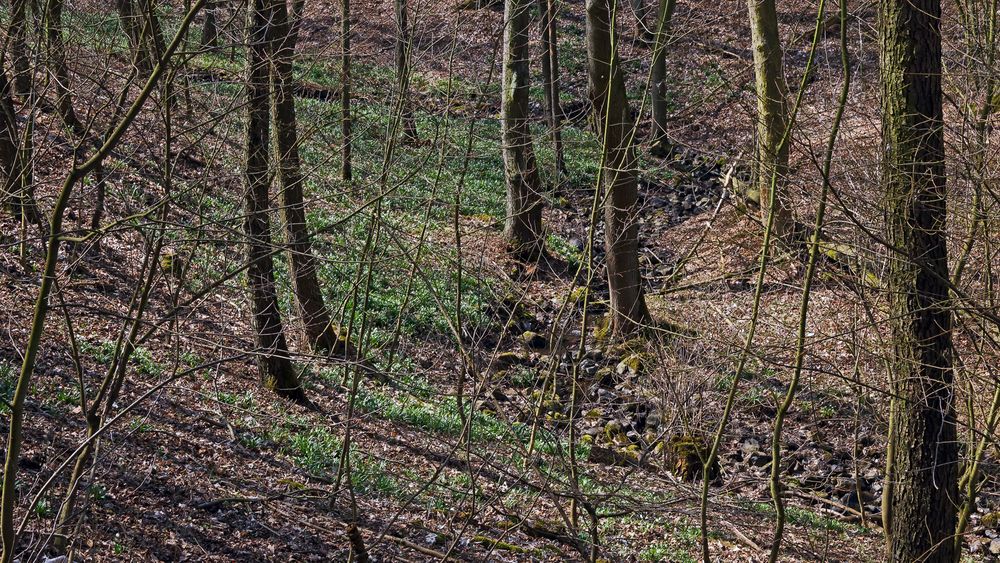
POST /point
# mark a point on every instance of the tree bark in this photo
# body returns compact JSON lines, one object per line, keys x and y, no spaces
{"x":15,"y":158}
{"x":772,"y":117}
{"x":18,"y":47}
{"x":58,"y":71}
{"x":923,"y":494}
{"x":523,"y":229}
{"x":301,"y":262}
{"x":273,"y":362}
{"x":346,"y":173}
{"x":658,"y":77}
{"x":403,"y":50}
{"x":550,"y":81}
{"x":210,"y":28}
{"x":616,"y":128}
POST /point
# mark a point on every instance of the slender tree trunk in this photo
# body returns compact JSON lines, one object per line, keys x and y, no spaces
{"x":523,"y":228}
{"x":58,"y":71}
{"x":658,"y":77}
{"x":19,"y":48}
{"x":15,"y":159}
{"x":272,"y":350}
{"x":345,"y":90}
{"x":644,"y":34}
{"x":772,"y":116}
{"x":302,"y":263}
{"x":404,"y":46}
{"x":616,"y":128}
{"x":550,"y":81}
{"x":210,"y":28}
{"x":132,"y":24}
{"x":152,"y":32}
{"x":923,"y":498}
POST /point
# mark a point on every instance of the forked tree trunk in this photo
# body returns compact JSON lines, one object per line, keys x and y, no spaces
{"x":771,"y":163}
{"x":550,"y":82}
{"x":658,"y":77}
{"x":523,"y":229}
{"x":615,"y":129}
{"x":404,"y":48}
{"x":143,"y":30}
{"x":922,"y":487}
{"x":273,"y":362}
{"x":132,"y":24}
{"x":302,"y":263}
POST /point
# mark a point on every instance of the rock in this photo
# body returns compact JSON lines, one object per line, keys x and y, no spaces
{"x":507,"y":359}
{"x":749,"y":447}
{"x":991,"y":520}
{"x":533,"y":340}
{"x":995,"y":546}
{"x":850,"y":500}
{"x":653,"y":420}
{"x":612,"y":428}
{"x":605,"y":376}
{"x":685,"y":454}
{"x":633,"y":364}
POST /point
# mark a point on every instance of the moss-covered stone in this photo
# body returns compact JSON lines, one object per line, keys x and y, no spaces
{"x":635,"y":364}
{"x":533,"y":340}
{"x":602,"y":328}
{"x":686,"y":454}
{"x":991,"y":520}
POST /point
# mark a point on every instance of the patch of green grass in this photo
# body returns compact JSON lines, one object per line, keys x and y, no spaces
{"x":662,"y":551}
{"x":317,"y":450}
{"x":313,"y":448}
{"x":808,"y":518}
{"x":67,"y":397}
{"x":43,"y":509}
{"x":439,"y":416}
{"x":243,"y":400}
{"x":561,"y":248}
{"x":103,"y":352}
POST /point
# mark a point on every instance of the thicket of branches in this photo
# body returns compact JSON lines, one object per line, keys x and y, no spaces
{"x":593,"y":272}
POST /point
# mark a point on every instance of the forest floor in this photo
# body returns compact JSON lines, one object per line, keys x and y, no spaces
{"x":212,"y":467}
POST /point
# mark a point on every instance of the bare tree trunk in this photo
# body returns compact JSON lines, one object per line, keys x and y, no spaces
{"x":616,"y":129}
{"x":523,"y":229}
{"x":345,"y":90}
{"x":131,"y":23}
{"x":658,"y":78}
{"x":19,"y":48}
{"x":772,"y":117}
{"x":272,"y":350}
{"x":404,"y":46}
{"x":923,"y":496}
{"x":152,"y":32}
{"x":15,"y":159}
{"x":210,"y":28}
{"x":644,"y":35}
{"x":302,"y":263}
{"x":550,"y":81}
{"x":58,"y":71}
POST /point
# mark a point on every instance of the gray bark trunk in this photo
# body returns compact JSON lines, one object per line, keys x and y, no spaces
{"x":615,"y":129}
{"x":523,"y":228}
